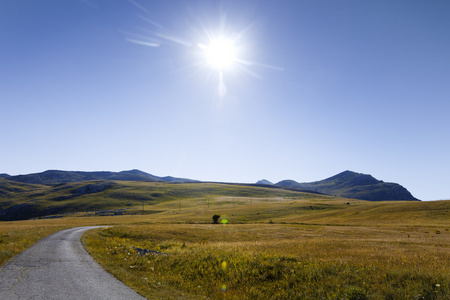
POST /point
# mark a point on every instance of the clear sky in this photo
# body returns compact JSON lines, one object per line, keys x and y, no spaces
{"x":316,"y":88}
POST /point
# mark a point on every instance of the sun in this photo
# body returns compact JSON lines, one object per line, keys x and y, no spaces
{"x":220,"y":53}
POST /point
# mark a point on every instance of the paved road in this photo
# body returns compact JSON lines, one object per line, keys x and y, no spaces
{"x":58,"y":267}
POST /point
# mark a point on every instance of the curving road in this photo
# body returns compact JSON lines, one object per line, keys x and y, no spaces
{"x":58,"y":267}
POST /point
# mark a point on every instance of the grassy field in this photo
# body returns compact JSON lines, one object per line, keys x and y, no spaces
{"x":273,"y":261}
{"x":296,"y":249}
{"x":25,"y":201}
{"x":273,"y":245}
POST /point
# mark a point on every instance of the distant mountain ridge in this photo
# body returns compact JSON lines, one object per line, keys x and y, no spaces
{"x":350,"y":184}
{"x":59,"y":192}
{"x":347,"y":184}
{"x":54,"y":177}
{"x":264,"y":181}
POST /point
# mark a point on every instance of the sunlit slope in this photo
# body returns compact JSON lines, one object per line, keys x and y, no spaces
{"x":198,"y":202}
{"x":36,"y":201}
{"x":312,"y":210}
{"x":382,"y":213}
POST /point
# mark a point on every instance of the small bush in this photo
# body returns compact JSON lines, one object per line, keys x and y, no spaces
{"x":216,"y":219}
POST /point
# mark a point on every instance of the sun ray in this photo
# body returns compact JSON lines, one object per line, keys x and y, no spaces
{"x":138,"y":5}
{"x":150,"y":21}
{"x":268,"y":66}
{"x":216,"y":50}
{"x":222,"y":89}
{"x":249,"y":72}
{"x":174,"y":39}
{"x":150,"y":44}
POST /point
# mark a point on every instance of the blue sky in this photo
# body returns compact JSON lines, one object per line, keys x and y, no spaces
{"x":325,"y":86}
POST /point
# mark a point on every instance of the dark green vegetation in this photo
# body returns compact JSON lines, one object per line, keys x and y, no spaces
{"x":349,"y":184}
{"x":216,"y":219}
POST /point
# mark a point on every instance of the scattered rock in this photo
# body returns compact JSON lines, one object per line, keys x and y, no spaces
{"x":143,"y":252}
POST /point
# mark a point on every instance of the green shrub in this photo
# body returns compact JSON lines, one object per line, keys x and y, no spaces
{"x":216,"y":219}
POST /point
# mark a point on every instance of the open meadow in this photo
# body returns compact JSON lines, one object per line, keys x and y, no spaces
{"x":290,"y":145}
{"x":266,"y":246}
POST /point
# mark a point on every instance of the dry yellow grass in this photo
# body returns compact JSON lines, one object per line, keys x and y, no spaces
{"x":18,"y":236}
{"x":272,"y":248}
{"x":276,"y":261}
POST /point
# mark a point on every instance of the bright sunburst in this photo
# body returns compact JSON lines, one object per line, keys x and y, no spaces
{"x":220,"y":53}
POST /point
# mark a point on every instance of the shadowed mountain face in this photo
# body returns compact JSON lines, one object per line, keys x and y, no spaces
{"x":54,"y":177}
{"x":354,"y":185}
{"x":8,"y":188}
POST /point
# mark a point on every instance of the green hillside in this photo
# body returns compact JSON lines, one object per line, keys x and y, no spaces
{"x":19,"y":201}
{"x":196,"y":202}
{"x":347,"y":184}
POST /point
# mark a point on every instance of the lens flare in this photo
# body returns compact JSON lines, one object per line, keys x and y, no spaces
{"x":222,"y":89}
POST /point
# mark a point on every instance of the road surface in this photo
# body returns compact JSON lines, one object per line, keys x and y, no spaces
{"x":58,"y":267}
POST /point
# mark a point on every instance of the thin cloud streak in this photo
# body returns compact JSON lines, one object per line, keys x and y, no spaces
{"x":150,"y":21}
{"x":138,"y":6}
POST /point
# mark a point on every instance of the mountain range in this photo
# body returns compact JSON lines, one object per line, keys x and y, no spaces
{"x":347,"y":184}
{"x":54,"y":177}
{"x":350,"y":184}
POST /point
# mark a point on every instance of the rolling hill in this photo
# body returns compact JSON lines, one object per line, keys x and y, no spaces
{"x":21,"y":201}
{"x":347,"y":184}
{"x":56,"y":192}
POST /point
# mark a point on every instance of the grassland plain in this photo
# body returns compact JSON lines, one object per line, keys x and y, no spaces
{"x":170,"y":202}
{"x":276,"y":245}
{"x":296,"y":249}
